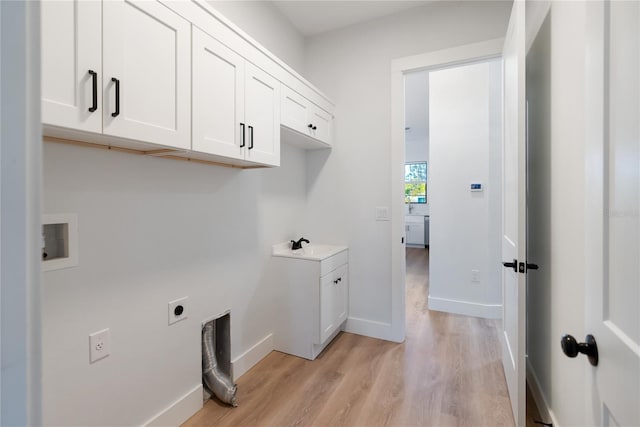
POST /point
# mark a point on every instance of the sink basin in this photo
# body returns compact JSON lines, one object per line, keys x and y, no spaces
{"x":312,"y":251}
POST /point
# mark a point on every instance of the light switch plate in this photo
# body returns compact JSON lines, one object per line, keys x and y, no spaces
{"x":99,"y":345}
{"x":382,"y":213}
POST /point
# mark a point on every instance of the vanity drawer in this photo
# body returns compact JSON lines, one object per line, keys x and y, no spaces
{"x":333,"y":262}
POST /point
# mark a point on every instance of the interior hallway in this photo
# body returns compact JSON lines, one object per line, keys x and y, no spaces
{"x":447,"y":372}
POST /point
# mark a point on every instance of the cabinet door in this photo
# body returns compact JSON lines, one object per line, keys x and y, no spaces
{"x":218,"y":98}
{"x":327,"y":295}
{"x":341,"y":295}
{"x":322,"y":122}
{"x":146,"y":49}
{"x":262,"y":115}
{"x":71,"y":47}
{"x":295,"y":111}
{"x":415,"y":234}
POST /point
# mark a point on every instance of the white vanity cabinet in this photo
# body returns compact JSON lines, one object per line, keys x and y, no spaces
{"x":312,"y":301}
{"x":414,"y":227}
{"x":304,"y":117}
{"x":117,"y":68}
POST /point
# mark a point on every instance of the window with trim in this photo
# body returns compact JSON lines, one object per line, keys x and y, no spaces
{"x":415,"y":182}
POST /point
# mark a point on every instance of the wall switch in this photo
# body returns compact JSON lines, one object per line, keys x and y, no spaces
{"x":382,"y":213}
{"x":475,"y":276}
{"x":99,"y":345}
{"x":178,"y":310}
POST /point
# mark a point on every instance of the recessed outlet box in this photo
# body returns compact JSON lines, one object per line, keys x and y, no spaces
{"x":475,"y":275}
{"x":59,"y":241}
{"x":178,"y":310}
{"x":99,"y":345}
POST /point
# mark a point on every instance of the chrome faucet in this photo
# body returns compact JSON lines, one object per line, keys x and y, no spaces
{"x":298,"y":245}
{"x":410,"y":207}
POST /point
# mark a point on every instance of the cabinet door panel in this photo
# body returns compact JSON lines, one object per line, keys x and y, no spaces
{"x":295,"y":111}
{"x":218,"y":97}
{"x":327,"y":296}
{"x":71,"y":46}
{"x":341,"y":295}
{"x":146,"y":46}
{"x":322,"y":121}
{"x":262,"y":113}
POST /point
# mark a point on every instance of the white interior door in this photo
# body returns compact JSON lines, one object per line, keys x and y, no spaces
{"x":514,"y":213}
{"x":613,"y":210}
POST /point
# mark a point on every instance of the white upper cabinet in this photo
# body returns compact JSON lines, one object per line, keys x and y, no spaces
{"x":72,"y":64}
{"x":146,"y":73}
{"x":262,"y":114}
{"x":301,"y":115}
{"x":218,"y":98}
{"x":236,"y":106}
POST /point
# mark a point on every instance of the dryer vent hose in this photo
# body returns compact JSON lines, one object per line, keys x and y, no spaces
{"x":214,"y":379}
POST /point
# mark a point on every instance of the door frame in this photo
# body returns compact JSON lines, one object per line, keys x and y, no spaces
{"x":20,"y":214}
{"x":459,"y":55}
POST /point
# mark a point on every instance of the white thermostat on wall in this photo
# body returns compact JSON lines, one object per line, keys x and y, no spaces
{"x":476,"y":186}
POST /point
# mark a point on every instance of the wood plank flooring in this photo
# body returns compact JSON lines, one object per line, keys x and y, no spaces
{"x":447,"y":373}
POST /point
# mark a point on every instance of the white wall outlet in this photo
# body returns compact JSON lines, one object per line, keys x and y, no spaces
{"x":99,"y":345}
{"x":178,"y":310}
{"x":475,"y":276}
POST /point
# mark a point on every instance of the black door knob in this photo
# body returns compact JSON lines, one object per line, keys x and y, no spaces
{"x":571,"y":348}
{"x":513,"y":265}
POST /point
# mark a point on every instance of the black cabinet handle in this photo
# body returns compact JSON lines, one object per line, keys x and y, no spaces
{"x":513,"y":265}
{"x":310,"y":126}
{"x":94,"y":90}
{"x":250,"y":137}
{"x":242,"y":144}
{"x":117,"y":112}
{"x":314,"y":127}
{"x":571,"y":348}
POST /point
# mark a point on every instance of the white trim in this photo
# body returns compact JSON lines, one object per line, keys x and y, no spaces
{"x":538,"y":396}
{"x":20,"y":204}
{"x":437,"y":59}
{"x":486,"y":311}
{"x":180,"y":410}
{"x":370,"y":328}
{"x":249,"y":358}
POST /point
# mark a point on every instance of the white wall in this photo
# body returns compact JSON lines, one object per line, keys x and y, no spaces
{"x":556,"y":236}
{"x":152,"y":230}
{"x":353,"y":67}
{"x":463,"y":141}
{"x":20,"y":203}
{"x":416,"y":86}
{"x":265,"y":23}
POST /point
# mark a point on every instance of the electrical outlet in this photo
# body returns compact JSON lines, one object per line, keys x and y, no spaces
{"x":178,"y":310}
{"x":99,"y":345}
{"x":475,"y":276}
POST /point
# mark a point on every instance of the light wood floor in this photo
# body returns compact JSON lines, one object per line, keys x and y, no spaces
{"x":447,"y":373}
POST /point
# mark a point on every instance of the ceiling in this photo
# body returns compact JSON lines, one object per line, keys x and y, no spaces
{"x":313,"y":17}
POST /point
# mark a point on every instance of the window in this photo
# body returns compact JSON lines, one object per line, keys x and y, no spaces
{"x":415,"y":182}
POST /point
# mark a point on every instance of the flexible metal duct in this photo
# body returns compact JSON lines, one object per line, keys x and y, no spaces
{"x":215,"y":380}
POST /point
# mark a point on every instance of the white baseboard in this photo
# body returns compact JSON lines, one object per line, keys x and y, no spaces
{"x":249,"y":358}
{"x":487,"y":311}
{"x":538,"y":396}
{"x":179,"y":411}
{"x":369,"y":328}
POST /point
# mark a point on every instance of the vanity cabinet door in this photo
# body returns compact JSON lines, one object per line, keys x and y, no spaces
{"x":147,"y":73}
{"x":333,"y":301}
{"x":72,"y":64}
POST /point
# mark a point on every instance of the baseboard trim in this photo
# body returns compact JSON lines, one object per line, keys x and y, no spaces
{"x":179,"y":411}
{"x":487,"y":311}
{"x":369,"y":328}
{"x":538,"y":396}
{"x":249,"y":358}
